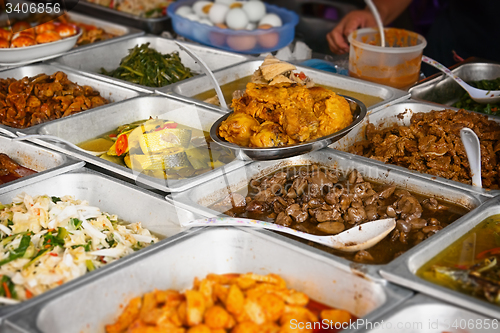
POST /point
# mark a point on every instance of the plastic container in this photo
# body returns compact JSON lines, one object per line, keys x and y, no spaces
{"x":396,"y":65}
{"x":240,"y":41}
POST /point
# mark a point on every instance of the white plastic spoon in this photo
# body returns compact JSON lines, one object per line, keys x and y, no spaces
{"x":479,"y":95}
{"x":207,"y":72}
{"x":473,"y":149}
{"x":57,"y":139}
{"x":380,"y":26}
{"x":357,"y":238}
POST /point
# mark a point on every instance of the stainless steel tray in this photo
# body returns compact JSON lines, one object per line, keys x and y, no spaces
{"x":153,"y":25}
{"x":210,"y":250}
{"x":46,"y":162}
{"x":122,"y":31}
{"x":108,"y":56}
{"x":442,"y":89}
{"x":423,"y":314}
{"x":401,"y":114}
{"x":402,"y":270}
{"x":201,"y":197}
{"x":194,"y":86}
{"x":106,"y":119}
{"x":130,"y":203}
{"x":109,"y":91}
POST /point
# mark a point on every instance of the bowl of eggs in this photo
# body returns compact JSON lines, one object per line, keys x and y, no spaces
{"x":249,"y":27}
{"x":23,"y":43}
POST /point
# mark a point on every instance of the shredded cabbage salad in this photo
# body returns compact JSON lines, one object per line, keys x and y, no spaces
{"x":47,"y":241}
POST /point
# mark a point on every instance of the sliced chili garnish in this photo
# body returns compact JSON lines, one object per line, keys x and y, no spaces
{"x":112,"y":135}
{"x":53,"y":254}
{"x":121,"y":144}
{"x":28,"y":294}
{"x":488,"y":253}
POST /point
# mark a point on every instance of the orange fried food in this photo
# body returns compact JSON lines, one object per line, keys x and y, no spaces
{"x":45,"y":27}
{"x":270,"y":134}
{"x":236,"y":303}
{"x":5,"y":34}
{"x":238,"y":128}
{"x":300,"y":114}
{"x":66,"y":30}
{"x":4,"y":44}
{"x":27,"y":32}
{"x":22,"y":41}
{"x":333,"y":111}
{"x":20,"y":26}
{"x":47,"y":37}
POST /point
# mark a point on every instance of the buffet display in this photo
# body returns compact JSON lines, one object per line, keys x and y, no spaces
{"x":318,"y":153}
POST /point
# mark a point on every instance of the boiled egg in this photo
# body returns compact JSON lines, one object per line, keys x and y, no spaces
{"x":255,"y":10}
{"x":202,"y":8}
{"x":271,"y":19}
{"x":206,"y":21}
{"x":236,"y":19}
{"x":241,"y":43}
{"x":225,"y":2}
{"x":192,"y":17}
{"x":251,"y":26}
{"x":183,"y":11}
{"x":218,"y":12}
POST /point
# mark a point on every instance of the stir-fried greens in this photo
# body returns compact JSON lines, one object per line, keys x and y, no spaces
{"x":465,"y":102}
{"x":148,"y":67}
{"x":47,"y":241}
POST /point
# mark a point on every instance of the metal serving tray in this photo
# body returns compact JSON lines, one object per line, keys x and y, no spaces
{"x":205,"y":195}
{"x":174,"y":265}
{"x":130,"y":203}
{"x":195,"y":86}
{"x":108,"y":56}
{"x":402,"y":270}
{"x":122,"y":31}
{"x":46,"y":162}
{"x":442,"y":89}
{"x":153,"y":25}
{"x":109,"y":91}
{"x":423,"y":314}
{"x":401,"y":114}
{"x":109,"y":118}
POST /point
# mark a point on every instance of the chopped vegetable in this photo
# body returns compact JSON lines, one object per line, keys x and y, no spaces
{"x":465,"y":102}
{"x":148,"y":67}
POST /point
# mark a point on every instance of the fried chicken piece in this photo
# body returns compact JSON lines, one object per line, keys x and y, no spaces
{"x":333,"y":111}
{"x":238,"y":128}
{"x":270,"y":134}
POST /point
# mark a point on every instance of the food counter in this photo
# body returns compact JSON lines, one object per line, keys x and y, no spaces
{"x":108,"y":150}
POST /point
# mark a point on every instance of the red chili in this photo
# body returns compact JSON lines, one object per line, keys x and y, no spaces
{"x":487,"y":253}
{"x":53,"y":254}
{"x":7,"y":291}
{"x":112,"y":135}
{"x":28,"y":294}
{"x":121,"y":144}
{"x":168,"y":125}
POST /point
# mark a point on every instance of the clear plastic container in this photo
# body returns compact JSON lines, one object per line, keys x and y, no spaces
{"x":240,"y":41}
{"x":396,"y":65}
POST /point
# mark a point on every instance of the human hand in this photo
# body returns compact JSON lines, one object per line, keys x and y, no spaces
{"x":337,"y":38}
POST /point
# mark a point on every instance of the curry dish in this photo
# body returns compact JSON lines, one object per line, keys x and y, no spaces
{"x":320,"y":201}
{"x":431,"y":144}
{"x":237,"y":303}
{"x":34,"y":100}
{"x":10,"y":170}
{"x":284,"y":114}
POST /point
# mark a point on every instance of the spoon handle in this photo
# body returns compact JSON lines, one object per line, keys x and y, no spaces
{"x":445,"y":70}
{"x":380,"y":25}
{"x":473,"y":150}
{"x":48,"y":138}
{"x":237,"y":222}
{"x":207,"y":72}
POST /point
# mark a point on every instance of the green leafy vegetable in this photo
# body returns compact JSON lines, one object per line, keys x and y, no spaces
{"x":19,"y":252}
{"x":465,"y":102}
{"x":56,"y":199}
{"x":76,"y":223}
{"x":148,"y":67}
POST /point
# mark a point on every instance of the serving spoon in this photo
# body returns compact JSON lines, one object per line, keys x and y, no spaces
{"x":355,"y":239}
{"x":478,"y":95}
{"x":380,"y":26}
{"x":56,"y":139}
{"x":207,"y":72}
{"x":473,"y":149}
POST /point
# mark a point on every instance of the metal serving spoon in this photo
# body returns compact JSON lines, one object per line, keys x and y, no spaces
{"x":473,"y":149}
{"x":479,"y":95}
{"x":56,"y":139}
{"x":355,"y":239}
{"x":380,"y":26}
{"x":207,"y":72}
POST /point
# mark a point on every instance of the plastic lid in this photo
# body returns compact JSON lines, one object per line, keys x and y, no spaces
{"x":405,"y":49}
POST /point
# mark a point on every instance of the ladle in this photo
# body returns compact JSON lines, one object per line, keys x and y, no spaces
{"x":355,"y":239}
{"x":380,"y":26}
{"x":207,"y":72}
{"x":473,"y":149}
{"x":478,"y":95}
{"x":57,"y":139}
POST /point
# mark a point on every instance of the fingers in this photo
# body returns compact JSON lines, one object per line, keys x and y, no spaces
{"x":337,"y":38}
{"x":337,"y":42}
